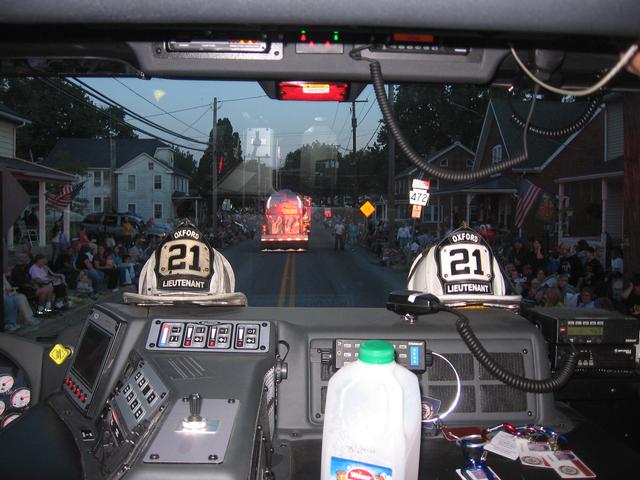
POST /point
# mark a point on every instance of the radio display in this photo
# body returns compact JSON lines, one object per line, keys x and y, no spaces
{"x":594,"y":331}
{"x":91,"y":354}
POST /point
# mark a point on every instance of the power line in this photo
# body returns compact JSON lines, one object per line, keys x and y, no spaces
{"x":92,"y":92}
{"x":106,"y":114}
{"x":196,"y":121}
{"x":180,"y":110}
{"x":151,"y":103}
{"x":374,"y":134}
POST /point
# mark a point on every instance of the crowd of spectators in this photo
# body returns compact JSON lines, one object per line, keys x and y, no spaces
{"x":579,"y":275}
{"x":38,"y":286}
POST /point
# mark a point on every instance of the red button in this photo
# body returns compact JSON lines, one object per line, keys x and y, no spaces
{"x":187,"y":343}
{"x":212,"y":343}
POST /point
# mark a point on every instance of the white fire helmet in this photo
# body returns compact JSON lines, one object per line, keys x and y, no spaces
{"x":185,"y":269}
{"x":461,"y":270}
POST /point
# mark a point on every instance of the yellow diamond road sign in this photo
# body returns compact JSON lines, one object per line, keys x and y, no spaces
{"x":367,"y":209}
{"x":59,"y":353}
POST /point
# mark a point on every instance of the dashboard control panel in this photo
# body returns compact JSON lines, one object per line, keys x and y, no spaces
{"x":139,"y":396}
{"x":409,"y":353}
{"x":208,"y":335}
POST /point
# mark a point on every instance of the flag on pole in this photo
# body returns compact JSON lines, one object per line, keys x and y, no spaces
{"x":61,"y":198}
{"x":527,"y":196}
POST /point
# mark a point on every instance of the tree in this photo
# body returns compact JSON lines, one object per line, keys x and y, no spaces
{"x":229,"y":150}
{"x":185,"y":162}
{"x":55,"y":115}
{"x":434,"y":116}
{"x":313,"y":169}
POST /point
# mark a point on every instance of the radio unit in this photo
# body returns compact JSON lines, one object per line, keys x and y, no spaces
{"x":562,"y":326}
{"x":598,"y":359}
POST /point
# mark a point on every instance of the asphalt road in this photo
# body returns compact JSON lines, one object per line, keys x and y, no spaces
{"x":318,"y":277}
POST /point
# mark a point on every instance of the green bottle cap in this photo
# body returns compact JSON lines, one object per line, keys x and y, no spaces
{"x":377,"y":352}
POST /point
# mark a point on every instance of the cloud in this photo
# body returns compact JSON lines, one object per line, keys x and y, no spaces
{"x":158,"y":94}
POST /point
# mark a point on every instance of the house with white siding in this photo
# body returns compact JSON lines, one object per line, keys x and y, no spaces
{"x":125,"y":175}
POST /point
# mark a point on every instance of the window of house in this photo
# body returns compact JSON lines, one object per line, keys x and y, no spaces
{"x":97,"y":179}
{"x":470,"y":162}
{"x":157,"y":182}
{"x":131,"y":208}
{"x":157,"y":210}
{"x":496,"y":154}
{"x":106,"y":203}
{"x":444,"y":162}
{"x":150,"y":165}
{"x":97,"y":204}
{"x":131,"y":183}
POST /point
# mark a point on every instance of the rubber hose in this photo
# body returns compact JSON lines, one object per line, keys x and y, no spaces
{"x":413,"y":156}
{"x":556,"y":382}
{"x":586,"y":115}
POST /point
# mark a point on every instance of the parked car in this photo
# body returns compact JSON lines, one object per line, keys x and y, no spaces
{"x":111,"y":223}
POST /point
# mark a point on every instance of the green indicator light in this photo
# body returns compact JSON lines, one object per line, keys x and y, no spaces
{"x":336,"y":36}
{"x":303,"y":32}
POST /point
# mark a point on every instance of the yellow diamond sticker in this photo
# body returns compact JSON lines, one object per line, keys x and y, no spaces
{"x":367,"y":209}
{"x":59,"y":353}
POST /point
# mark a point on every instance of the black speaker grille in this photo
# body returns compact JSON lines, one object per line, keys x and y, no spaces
{"x":441,"y":372}
{"x":446,"y":393}
{"x":511,"y":361}
{"x":501,"y":398}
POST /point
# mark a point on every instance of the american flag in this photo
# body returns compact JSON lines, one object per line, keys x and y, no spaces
{"x":527,"y":195}
{"x":61,"y":198}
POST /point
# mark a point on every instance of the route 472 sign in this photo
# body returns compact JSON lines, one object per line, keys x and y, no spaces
{"x":419,"y":195}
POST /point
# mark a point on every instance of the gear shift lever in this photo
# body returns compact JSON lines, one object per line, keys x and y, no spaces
{"x":194,"y":421}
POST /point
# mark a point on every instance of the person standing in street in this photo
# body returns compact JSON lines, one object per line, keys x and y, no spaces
{"x":338,"y":231}
{"x":403,"y":236}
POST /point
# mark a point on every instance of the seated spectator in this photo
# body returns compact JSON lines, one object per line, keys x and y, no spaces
{"x":64,"y":265}
{"x":85,"y":264}
{"x":586,"y":298}
{"x":125,"y":269}
{"x":103,"y":262}
{"x":10,"y":312}
{"x":551,"y":298}
{"x":553,"y":265}
{"x":565,"y":287}
{"x":604,"y":303}
{"x":45,"y":285}
{"x":535,"y":293}
{"x":83,"y":236}
{"x":24,"y":309}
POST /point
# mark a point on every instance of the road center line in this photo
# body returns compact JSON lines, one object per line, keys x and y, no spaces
{"x":283,"y":282}
{"x":292,"y":282}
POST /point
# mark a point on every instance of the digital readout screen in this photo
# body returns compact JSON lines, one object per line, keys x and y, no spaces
{"x":594,"y":331}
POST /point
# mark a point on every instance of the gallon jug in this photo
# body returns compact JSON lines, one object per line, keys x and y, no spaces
{"x":372,"y":421}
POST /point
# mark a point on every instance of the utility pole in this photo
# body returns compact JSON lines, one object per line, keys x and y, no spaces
{"x":391,"y":211}
{"x":354,"y":126}
{"x":214,"y":167}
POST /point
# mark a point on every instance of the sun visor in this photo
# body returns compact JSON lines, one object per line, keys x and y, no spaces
{"x":185,"y":269}
{"x":461,"y":270}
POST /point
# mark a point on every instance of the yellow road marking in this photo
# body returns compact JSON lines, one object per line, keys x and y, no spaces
{"x":283,"y":281}
{"x":292,"y":282}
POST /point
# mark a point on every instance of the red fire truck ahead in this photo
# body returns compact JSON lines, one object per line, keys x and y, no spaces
{"x":287,"y":221}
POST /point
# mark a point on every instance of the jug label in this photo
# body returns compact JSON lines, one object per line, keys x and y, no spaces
{"x":345,"y":469}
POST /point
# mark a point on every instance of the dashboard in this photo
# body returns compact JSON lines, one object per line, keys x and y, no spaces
{"x":194,"y":392}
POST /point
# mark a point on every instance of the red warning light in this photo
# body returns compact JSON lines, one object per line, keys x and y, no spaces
{"x":313,"y":91}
